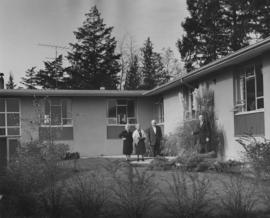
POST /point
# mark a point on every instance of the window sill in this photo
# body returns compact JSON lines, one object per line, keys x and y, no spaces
{"x":56,"y":126}
{"x":249,"y":112}
{"x":133,"y":124}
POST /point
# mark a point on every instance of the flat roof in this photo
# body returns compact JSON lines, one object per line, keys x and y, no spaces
{"x":234,"y":58}
{"x":71,"y":93}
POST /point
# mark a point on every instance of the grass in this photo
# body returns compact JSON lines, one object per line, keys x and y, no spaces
{"x":164,"y":180}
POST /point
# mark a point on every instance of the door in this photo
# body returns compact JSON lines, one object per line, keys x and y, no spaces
{"x":3,"y":152}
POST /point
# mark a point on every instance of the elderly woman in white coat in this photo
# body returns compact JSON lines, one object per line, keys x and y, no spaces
{"x":139,"y":137}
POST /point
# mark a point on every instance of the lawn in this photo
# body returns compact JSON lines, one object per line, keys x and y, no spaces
{"x":219,"y":183}
{"x":89,"y":187}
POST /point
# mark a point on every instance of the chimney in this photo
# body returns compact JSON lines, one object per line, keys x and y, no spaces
{"x":1,"y":81}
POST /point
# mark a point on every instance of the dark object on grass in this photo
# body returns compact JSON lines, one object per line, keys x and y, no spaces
{"x":72,"y":156}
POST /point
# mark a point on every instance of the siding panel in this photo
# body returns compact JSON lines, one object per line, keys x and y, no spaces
{"x":249,"y":123}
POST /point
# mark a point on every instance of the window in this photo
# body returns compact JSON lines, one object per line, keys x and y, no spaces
{"x":159,"y":111}
{"x":9,"y":117}
{"x":57,"y":112}
{"x":249,"y":89}
{"x":190,"y":103}
{"x":121,"y":111}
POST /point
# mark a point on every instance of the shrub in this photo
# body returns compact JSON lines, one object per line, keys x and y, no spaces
{"x":133,"y":192}
{"x":28,"y":174}
{"x":239,"y":199}
{"x":188,"y":196}
{"x":88,"y":195}
{"x":257,"y":153}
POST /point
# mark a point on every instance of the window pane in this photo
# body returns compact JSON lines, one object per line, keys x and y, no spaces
{"x":66,"y":109}
{"x":251,"y":104}
{"x":47,"y":108}
{"x":259,"y":80}
{"x":13,"y":119}
{"x":2,"y":131}
{"x":55,"y":101}
{"x":260,"y":103}
{"x":67,"y":121}
{"x":122,"y":102}
{"x":55,"y":115}
{"x":112,"y":121}
{"x":13,"y":131}
{"x":12,"y":105}
{"x":2,"y":105}
{"x":112,"y":108}
{"x":132,"y":120}
{"x":2,"y":120}
{"x":240,"y":84}
{"x":250,"y":71}
{"x":121,"y":114}
{"x":131,"y":109}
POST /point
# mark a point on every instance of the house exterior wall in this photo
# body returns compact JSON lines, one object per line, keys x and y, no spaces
{"x":224,"y":109}
{"x":89,"y":116}
{"x":173,"y":110}
{"x":266,"y":86}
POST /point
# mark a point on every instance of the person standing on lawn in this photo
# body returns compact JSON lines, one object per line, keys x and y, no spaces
{"x":203,"y":131}
{"x":126,"y":136}
{"x":138,"y":140}
{"x":154,"y":137}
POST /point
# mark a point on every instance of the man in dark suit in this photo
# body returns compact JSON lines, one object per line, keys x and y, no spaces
{"x":154,"y":137}
{"x":204,"y":132}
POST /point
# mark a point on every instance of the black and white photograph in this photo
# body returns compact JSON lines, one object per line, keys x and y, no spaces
{"x":134,"y":109}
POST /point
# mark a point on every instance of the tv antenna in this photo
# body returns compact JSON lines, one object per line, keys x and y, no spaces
{"x":56,"y":47}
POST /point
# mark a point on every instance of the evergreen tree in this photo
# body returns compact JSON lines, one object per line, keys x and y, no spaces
{"x":204,"y":40}
{"x":52,"y":76}
{"x":216,"y":28}
{"x":94,"y":63}
{"x":153,"y":72}
{"x":30,"y":78}
{"x":11,"y":84}
{"x":133,"y":78}
{"x":260,"y":10}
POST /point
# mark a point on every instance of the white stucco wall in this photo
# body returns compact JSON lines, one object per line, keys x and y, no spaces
{"x":224,"y":105}
{"x":266,"y":87}
{"x":173,"y":111}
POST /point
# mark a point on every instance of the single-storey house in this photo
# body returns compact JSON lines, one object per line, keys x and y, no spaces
{"x":90,"y":120}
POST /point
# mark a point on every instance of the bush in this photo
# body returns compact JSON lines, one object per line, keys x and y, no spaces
{"x":188,"y":196}
{"x":133,"y":192}
{"x":257,"y":153}
{"x":27,"y":175}
{"x":239,"y":198}
{"x":88,"y":196}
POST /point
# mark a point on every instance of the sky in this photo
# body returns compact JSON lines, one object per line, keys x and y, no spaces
{"x":24,"y":24}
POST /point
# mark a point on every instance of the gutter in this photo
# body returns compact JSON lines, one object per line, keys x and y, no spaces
{"x":231,"y":59}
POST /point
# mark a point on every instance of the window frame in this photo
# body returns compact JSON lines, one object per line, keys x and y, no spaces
{"x":241,"y":71}
{"x":128,"y":118}
{"x":158,"y":112}
{"x":6,"y":127}
{"x":42,"y":118}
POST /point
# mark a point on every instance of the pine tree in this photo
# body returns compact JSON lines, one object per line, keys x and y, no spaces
{"x":11,"y":84}
{"x":153,"y":72}
{"x":30,"y":78}
{"x":204,"y":40}
{"x":218,"y":27}
{"x":260,"y":11}
{"x":52,"y":76}
{"x":94,"y":63}
{"x":133,"y":78}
